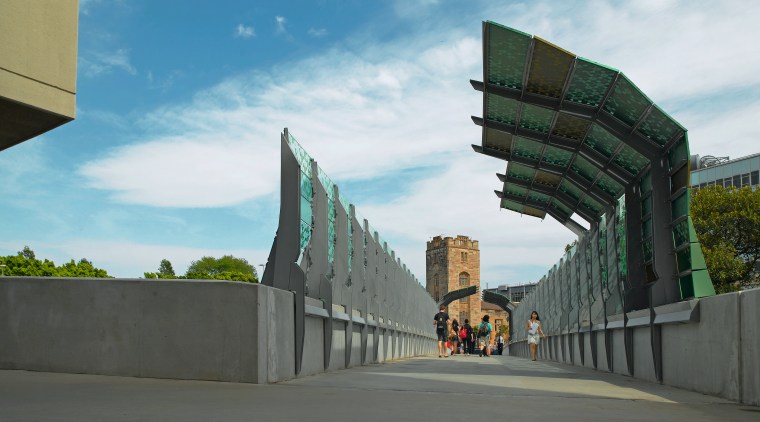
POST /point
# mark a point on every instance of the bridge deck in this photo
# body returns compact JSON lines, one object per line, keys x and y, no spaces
{"x":497,"y":388}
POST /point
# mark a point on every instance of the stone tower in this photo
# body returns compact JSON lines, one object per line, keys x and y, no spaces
{"x":452,"y":264}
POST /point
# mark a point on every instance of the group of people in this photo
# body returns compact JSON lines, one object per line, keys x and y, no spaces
{"x":465,"y":338}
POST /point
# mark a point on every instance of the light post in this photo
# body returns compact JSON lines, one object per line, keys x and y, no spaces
{"x":263,"y":267}
{"x":2,"y":269}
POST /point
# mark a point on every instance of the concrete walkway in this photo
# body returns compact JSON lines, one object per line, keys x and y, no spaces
{"x":498,"y":388}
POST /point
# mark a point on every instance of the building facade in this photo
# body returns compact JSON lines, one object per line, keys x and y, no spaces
{"x":453,"y":264}
{"x":515,"y":293}
{"x":740,"y":172}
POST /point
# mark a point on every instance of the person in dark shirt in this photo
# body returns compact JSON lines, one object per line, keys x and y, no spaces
{"x":441,"y":322}
{"x":468,"y":343}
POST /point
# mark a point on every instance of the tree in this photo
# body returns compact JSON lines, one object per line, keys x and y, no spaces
{"x":24,"y":264}
{"x":165,"y":268}
{"x":226,"y":264}
{"x":727,"y":222}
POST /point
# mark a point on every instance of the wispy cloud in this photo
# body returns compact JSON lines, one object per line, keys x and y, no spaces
{"x":280,"y":24}
{"x":99,"y":63}
{"x":317,"y":33}
{"x":243,"y":31}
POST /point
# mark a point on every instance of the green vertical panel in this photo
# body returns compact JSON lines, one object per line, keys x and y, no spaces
{"x":536,"y":118}
{"x":501,"y":109}
{"x":678,"y":153}
{"x":658,"y":126}
{"x":620,"y":229}
{"x":548,"y":69}
{"x":589,"y":83}
{"x":329,"y":186}
{"x":303,"y":158}
{"x":645,"y":184}
{"x":626,"y":102}
{"x":681,"y":233}
{"x":506,"y":53}
{"x":680,"y":206}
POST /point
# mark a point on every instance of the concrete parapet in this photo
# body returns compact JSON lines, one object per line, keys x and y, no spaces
{"x":749,"y":365}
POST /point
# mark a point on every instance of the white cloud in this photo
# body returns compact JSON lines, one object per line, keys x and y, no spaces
{"x":243,"y":31}
{"x":317,"y":33}
{"x":280,"y":22}
{"x":99,"y":63}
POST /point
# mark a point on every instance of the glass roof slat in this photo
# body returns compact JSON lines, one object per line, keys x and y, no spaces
{"x":536,"y":118}
{"x":658,"y":126}
{"x":626,"y":102}
{"x":511,"y":205}
{"x":556,"y":156}
{"x":570,"y":127}
{"x":584,"y":168}
{"x":538,"y":197}
{"x":501,"y":109}
{"x":535,"y":212}
{"x":547,"y":179}
{"x":507,"y":53}
{"x":589,"y":83}
{"x":570,"y":189}
{"x":560,"y":208}
{"x":609,"y":186}
{"x":630,"y":160}
{"x":548,"y":69}
{"x":520,"y":172}
{"x":526,"y":148}
{"x":498,"y":140}
{"x":515,"y":190}
{"x":593,"y":207}
{"x":601,"y":141}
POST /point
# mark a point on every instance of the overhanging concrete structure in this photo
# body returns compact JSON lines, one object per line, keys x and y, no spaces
{"x":38,"y":65}
{"x":582,"y":140}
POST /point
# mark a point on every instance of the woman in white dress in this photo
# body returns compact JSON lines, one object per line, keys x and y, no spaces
{"x":534,"y":329}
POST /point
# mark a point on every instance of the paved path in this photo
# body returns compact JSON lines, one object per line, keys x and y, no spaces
{"x":498,"y":388}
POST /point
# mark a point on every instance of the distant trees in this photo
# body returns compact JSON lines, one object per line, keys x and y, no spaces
{"x":25,"y":264}
{"x":727,"y":222}
{"x":227,"y":267}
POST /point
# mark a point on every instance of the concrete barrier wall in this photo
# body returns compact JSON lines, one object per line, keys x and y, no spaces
{"x":178,"y":329}
{"x":719,"y":354}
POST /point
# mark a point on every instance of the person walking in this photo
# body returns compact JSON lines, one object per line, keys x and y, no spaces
{"x":455,"y":336}
{"x":533,"y":327}
{"x":499,"y":344}
{"x":468,"y":347}
{"x":485,"y":330}
{"x":441,"y":323}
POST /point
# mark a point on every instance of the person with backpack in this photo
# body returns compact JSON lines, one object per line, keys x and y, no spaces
{"x":441,"y":323}
{"x":454,"y":336}
{"x":465,"y":333}
{"x":484,"y":336}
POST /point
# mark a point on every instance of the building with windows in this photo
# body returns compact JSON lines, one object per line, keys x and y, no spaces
{"x":739,"y":172}
{"x":453,"y":263}
{"x":515,"y":293}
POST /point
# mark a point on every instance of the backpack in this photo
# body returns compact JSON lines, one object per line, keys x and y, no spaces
{"x":483,"y":330}
{"x":463,"y":333}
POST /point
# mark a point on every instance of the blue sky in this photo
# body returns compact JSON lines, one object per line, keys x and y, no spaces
{"x":175,"y":149}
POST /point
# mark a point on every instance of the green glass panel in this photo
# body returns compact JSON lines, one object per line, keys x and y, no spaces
{"x":306,"y":210}
{"x":589,"y":83}
{"x":570,"y":189}
{"x":679,"y":179}
{"x":511,"y":205}
{"x":646,"y":183}
{"x":520,"y":172}
{"x":646,"y":206}
{"x":680,"y":206}
{"x":305,"y":235}
{"x":548,"y":69}
{"x":307,"y":190}
{"x":507,"y":51}
{"x":630,"y":160}
{"x":501,"y":109}
{"x":681,"y":233}
{"x":498,"y":140}
{"x":535,"y":212}
{"x":646,"y":228}
{"x":561,"y":209}
{"x":548,"y":179}
{"x":327,"y":184}
{"x":525,"y":148}
{"x":584,"y":168}
{"x":686,"y":284}
{"x":556,"y":156}
{"x":303,"y":158}
{"x":515,"y":190}
{"x":536,"y":118}
{"x":601,"y":141}
{"x":592,"y":206}
{"x":626,"y":102}
{"x":539,"y":197}
{"x":658,"y":126}
{"x":678,"y":153}
{"x":620,"y":230}
{"x":610,"y":186}
{"x":331,"y":243}
{"x":683,"y":257}
{"x":647,"y":250}
{"x":570,"y":127}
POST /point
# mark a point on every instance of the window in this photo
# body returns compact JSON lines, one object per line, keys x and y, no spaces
{"x":754,"y":178}
{"x":464,"y":300}
{"x":737,"y":181}
{"x":727,"y":182}
{"x":464,"y":279}
{"x":463,"y":256}
{"x":745,"y":180}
